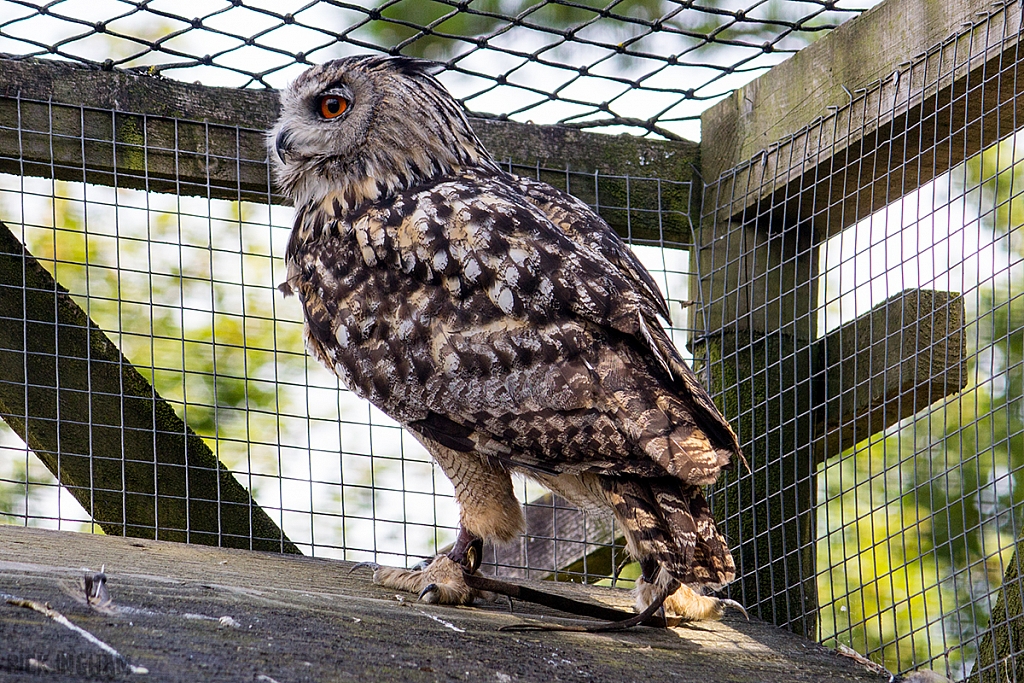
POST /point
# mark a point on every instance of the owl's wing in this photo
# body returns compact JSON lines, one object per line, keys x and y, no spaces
{"x":591,"y":232}
{"x":527,"y":292}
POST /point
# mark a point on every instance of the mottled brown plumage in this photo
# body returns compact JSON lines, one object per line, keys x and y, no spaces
{"x":497,"y":318}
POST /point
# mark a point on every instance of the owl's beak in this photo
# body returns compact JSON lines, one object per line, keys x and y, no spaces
{"x":282,"y":143}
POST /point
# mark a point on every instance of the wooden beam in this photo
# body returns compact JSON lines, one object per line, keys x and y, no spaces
{"x":189,"y":613}
{"x":129,"y":129}
{"x":878,"y":107}
{"x":756,"y":282}
{"x":759,"y":292}
{"x":558,"y":536}
{"x":103,"y":431}
{"x":903,"y":355}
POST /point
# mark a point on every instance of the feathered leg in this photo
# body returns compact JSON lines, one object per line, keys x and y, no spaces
{"x":685,"y":602}
{"x":487,"y":509}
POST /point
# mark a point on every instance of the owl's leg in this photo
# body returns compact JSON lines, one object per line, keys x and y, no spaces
{"x":487,"y":509}
{"x":658,"y":521}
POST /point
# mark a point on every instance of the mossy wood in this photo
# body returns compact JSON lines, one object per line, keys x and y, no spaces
{"x":999,"y":654}
{"x":905,"y":354}
{"x":103,"y":430}
{"x":872,"y":111}
{"x":792,"y":158}
{"x":759,"y":292}
{"x":133,"y":130}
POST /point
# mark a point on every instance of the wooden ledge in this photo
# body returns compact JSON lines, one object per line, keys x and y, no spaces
{"x":306,"y":619}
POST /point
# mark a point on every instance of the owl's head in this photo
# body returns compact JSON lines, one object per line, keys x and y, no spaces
{"x":361,"y":128}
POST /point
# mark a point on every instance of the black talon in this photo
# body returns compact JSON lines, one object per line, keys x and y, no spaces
{"x":468,"y":551}
{"x":474,"y":555}
{"x":372,"y":565}
{"x":429,"y":588}
{"x":735,"y":605}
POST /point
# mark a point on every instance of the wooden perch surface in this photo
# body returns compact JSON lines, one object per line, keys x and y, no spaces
{"x":190,"y":613}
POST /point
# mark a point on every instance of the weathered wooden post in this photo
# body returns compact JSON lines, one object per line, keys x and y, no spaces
{"x":807,"y":150}
{"x":758,"y":282}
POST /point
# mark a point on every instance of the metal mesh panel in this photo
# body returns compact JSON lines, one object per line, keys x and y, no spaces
{"x":186,"y":288}
{"x":645,"y":64}
{"x":863,"y":285}
{"x":859,"y":297}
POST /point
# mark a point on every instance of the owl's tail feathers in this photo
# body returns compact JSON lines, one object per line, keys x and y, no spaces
{"x":670,"y":522}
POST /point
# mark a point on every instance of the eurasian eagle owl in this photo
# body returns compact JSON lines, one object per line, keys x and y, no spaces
{"x":499,"y":320}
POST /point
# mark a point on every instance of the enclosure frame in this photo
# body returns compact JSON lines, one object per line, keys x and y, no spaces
{"x":769,"y":198}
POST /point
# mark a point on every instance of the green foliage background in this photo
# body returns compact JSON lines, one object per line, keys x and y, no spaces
{"x":187,"y":288}
{"x":918,"y":526}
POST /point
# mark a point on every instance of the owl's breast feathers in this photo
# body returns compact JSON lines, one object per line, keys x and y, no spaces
{"x":497,"y":314}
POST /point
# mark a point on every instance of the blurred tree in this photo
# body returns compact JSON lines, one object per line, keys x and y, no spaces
{"x":440,"y":30}
{"x":187,"y":289}
{"x":150,"y":285}
{"x":918,"y":526}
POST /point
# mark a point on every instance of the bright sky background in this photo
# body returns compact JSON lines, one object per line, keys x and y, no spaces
{"x":24,"y":30}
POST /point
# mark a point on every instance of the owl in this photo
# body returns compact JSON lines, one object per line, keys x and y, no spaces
{"x":501,"y":322}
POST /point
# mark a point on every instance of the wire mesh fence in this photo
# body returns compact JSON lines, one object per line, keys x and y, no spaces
{"x":852,"y":297}
{"x":186,"y":287}
{"x":862,"y":283}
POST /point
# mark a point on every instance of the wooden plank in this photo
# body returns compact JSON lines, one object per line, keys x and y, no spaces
{"x":880,"y":106}
{"x":903,"y":355}
{"x":102,"y":429}
{"x":756,"y":281}
{"x":307,"y":619}
{"x":134,"y":130}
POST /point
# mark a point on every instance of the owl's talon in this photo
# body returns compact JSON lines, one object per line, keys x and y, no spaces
{"x":430,"y":594}
{"x":440,"y":583}
{"x":725,"y":602}
{"x":683,"y":602}
{"x":362,"y":565}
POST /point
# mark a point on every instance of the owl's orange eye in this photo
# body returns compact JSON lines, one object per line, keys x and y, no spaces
{"x":332,"y":106}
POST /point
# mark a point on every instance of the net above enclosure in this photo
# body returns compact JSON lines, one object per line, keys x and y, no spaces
{"x":646,"y":66}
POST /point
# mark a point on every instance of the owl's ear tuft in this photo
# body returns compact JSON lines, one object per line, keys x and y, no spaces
{"x":414,"y":66}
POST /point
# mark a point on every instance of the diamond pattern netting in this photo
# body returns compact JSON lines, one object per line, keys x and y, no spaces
{"x":643,"y":66}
